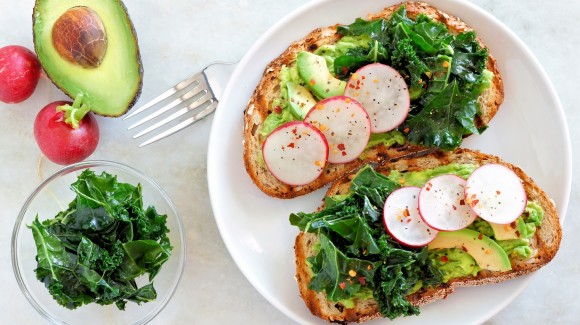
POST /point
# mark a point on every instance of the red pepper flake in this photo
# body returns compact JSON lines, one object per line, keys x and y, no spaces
{"x":462,"y":202}
{"x":480,"y":237}
{"x":464,"y":248}
{"x":344,"y":70}
{"x":518,"y":233}
{"x":291,"y":145}
{"x":342,"y":285}
{"x":406,"y":130}
{"x":278,"y":110}
{"x":406,"y":212}
{"x":454,"y":207}
{"x":312,"y":82}
{"x":341,"y":146}
{"x":497,"y":192}
{"x":295,"y":130}
{"x":444,"y":259}
{"x":350,"y":86}
{"x":362,"y":280}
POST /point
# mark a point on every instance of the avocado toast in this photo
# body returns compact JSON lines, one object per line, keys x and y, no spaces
{"x":282,"y":91}
{"x":396,"y":279}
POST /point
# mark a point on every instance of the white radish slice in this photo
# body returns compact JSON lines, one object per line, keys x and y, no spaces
{"x":295,"y":153}
{"x":383,"y":92}
{"x":442,"y":203}
{"x":496,"y":193}
{"x":345,"y":124}
{"x":402,"y":220}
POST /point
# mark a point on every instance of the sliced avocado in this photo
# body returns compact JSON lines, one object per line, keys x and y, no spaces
{"x":504,"y":232}
{"x":486,"y":252}
{"x":106,"y":68}
{"x":314,"y":71}
{"x":300,"y":98}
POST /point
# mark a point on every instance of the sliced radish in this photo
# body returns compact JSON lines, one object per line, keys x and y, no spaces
{"x":402,"y":220}
{"x":442,"y":203}
{"x":345,"y":123}
{"x":496,"y":193}
{"x":383,"y":93}
{"x":295,"y":153}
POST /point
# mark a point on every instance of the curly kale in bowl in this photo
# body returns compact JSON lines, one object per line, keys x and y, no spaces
{"x":98,"y":249}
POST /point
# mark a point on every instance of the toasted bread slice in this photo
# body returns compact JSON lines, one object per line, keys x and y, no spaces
{"x":545,"y":242}
{"x":260,"y":106}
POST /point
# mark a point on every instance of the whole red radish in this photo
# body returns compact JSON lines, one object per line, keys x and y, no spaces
{"x":66,"y":132}
{"x":19,"y":73}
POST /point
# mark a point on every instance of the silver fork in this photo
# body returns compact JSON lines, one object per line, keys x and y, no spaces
{"x":199,"y":93}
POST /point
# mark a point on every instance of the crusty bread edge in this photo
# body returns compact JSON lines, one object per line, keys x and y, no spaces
{"x":546,"y":241}
{"x":259,"y":108}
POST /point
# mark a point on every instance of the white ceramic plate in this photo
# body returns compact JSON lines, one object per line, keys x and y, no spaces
{"x":529,"y":130}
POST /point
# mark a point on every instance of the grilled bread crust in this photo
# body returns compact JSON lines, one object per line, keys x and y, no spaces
{"x":545,"y":242}
{"x":268,"y":89}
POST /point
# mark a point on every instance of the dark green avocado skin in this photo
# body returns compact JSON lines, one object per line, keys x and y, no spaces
{"x":136,"y":58}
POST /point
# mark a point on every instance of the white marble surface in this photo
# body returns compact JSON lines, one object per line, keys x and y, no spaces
{"x":179,"y":37}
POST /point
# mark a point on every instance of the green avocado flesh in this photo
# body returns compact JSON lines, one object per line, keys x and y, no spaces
{"x":485,"y":251}
{"x":110,"y":88}
{"x":314,"y":71}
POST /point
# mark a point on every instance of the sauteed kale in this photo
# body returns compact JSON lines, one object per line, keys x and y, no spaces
{"x":446,"y":73}
{"x":356,"y":257}
{"x":96,"y":249}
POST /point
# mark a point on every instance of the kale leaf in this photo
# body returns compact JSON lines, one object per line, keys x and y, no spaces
{"x":334,"y":272}
{"x":399,"y":274}
{"x":444,"y":119}
{"x":95,"y":249}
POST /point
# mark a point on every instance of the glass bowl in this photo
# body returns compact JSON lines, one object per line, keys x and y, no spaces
{"x":52,"y":196}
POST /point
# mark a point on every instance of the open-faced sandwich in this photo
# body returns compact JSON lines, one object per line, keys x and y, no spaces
{"x":403,"y":80}
{"x":407,"y":233}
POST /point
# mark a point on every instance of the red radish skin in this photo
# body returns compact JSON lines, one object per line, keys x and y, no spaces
{"x":19,"y":73}
{"x":383,"y":93}
{"x":402,"y":220}
{"x":442,"y":203}
{"x":295,"y":153}
{"x":58,"y":141}
{"x":345,"y":124}
{"x":496,"y":194}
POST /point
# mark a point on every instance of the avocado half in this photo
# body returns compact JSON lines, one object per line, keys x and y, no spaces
{"x":90,"y":48}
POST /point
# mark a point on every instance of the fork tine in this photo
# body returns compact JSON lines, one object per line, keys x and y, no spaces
{"x":188,"y":95}
{"x":176,"y":88}
{"x":182,"y":125}
{"x":195,"y":104}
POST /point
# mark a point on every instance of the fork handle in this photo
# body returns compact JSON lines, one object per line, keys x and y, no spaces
{"x":217,"y":76}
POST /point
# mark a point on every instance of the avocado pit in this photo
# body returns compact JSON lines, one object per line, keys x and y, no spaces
{"x":79,"y":37}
